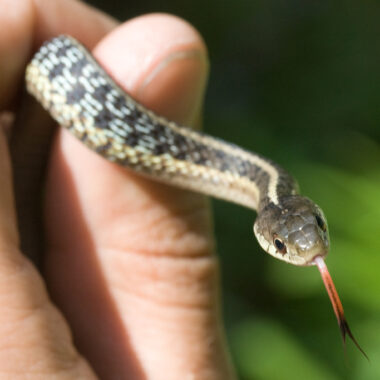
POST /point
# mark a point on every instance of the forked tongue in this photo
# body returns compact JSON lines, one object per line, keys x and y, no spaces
{"x":336,"y":304}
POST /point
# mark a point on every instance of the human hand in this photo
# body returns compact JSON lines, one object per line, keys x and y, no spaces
{"x":128,"y":261}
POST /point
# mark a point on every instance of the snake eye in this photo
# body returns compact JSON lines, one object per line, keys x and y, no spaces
{"x":321,"y":223}
{"x":280,"y":245}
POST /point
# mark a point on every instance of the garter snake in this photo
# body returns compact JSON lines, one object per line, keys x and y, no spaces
{"x":69,"y":83}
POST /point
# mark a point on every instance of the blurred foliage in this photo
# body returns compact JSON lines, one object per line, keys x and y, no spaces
{"x":298,"y":81}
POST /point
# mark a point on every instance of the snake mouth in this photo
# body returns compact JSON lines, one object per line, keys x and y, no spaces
{"x":315,"y":259}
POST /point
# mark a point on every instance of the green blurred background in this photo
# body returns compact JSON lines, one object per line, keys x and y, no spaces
{"x":299,"y":82}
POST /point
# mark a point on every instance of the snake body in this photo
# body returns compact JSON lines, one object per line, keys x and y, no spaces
{"x":82,"y":97}
{"x":66,"y":79}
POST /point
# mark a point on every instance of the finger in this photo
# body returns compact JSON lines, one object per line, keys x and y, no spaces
{"x":29,"y":22}
{"x":137,"y":255}
{"x":177,"y":67}
{"x":32,"y":331}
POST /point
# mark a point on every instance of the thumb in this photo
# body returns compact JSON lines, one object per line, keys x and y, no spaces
{"x":130,"y":257}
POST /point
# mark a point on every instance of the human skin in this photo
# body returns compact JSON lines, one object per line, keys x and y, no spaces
{"x":130,"y":283}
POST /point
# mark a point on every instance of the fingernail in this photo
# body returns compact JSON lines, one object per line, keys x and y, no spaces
{"x":175,"y":87}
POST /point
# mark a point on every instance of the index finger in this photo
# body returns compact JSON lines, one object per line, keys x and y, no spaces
{"x":30,"y":22}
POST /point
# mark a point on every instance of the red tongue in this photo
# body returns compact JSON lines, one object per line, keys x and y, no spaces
{"x":336,"y":304}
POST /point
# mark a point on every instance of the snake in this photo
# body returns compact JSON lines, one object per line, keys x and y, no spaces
{"x":82,"y":97}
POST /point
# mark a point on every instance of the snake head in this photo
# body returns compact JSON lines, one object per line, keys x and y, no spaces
{"x":294,"y":230}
